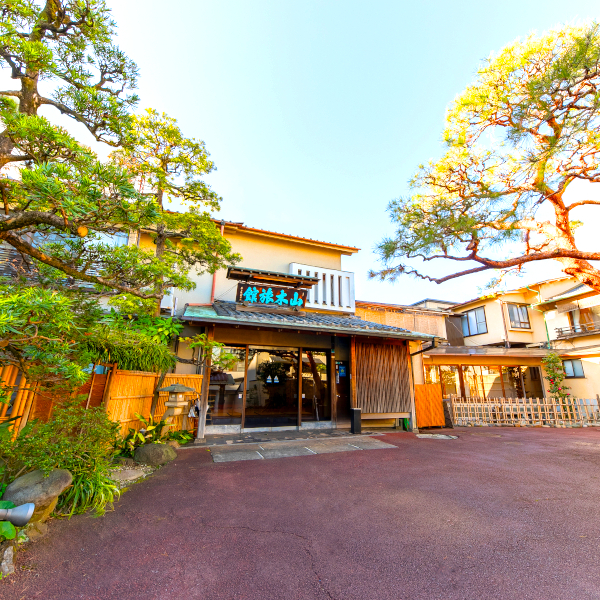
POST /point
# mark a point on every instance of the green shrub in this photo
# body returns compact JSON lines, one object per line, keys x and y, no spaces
{"x":152,"y":433}
{"x":183,"y":437}
{"x":79,"y":440}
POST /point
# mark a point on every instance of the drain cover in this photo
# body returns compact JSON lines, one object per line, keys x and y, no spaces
{"x":437,"y":436}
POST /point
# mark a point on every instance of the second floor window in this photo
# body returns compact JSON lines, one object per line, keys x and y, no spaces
{"x":473,"y":322}
{"x":573,"y":368}
{"x":519,"y":317}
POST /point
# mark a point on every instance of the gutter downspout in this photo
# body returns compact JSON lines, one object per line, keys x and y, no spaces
{"x":214,"y":281}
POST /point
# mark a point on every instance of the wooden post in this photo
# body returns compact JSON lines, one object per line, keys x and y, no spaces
{"x":109,"y":382}
{"x":210,"y":335}
{"x":87,"y":402}
{"x":332,"y":387}
{"x":243,"y":422}
{"x":300,"y":367}
{"x":411,"y":386}
{"x":353,"y":372}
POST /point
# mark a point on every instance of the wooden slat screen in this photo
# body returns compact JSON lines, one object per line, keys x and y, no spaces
{"x":382,"y":378}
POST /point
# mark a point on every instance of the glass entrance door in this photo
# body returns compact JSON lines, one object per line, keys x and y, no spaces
{"x":316,"y":399}
{"x":272,"y":387}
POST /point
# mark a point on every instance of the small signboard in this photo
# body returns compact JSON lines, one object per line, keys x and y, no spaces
{"x":268,"y":295}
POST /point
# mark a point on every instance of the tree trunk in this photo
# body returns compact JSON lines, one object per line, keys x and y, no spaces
{"x":159,"y":383}
{"x":161,"y":242}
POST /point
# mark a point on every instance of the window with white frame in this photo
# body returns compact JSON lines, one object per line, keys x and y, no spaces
{"x":473,"y":322}
{"x":519,"y":317}
{"x":573,"y":368}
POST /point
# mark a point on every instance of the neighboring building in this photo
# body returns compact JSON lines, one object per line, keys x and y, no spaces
{"x":432,"y":321}
{"x":507,"y":334}
{"x":304,"y":357}
{"x":433,"y":304}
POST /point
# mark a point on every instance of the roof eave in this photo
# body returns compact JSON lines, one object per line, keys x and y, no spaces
{"x":410,"y":335}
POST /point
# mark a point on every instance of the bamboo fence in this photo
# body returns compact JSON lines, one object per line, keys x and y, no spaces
{"x":525,"y":411}
{"x":130,"y":393}
{"x":22,"y":403}
{"x":122,"y":393}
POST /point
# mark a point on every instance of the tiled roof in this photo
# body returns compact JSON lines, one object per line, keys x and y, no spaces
{"x":578,"y":289}
{"x":226,"y":312}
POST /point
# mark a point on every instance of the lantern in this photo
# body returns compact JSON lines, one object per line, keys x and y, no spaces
{"x":176,"y":403}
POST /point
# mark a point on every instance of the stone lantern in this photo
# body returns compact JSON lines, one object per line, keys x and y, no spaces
{"x":176,"y":403}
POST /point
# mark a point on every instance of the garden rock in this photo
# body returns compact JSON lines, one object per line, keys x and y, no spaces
{"x":154,"y":454}
{"x":42,"y":491}
{"x":127,"y":475}
{"x":7,"y":566}
{"x":125,"y":461}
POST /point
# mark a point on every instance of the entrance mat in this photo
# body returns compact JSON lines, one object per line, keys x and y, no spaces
{"x":286,"y":449}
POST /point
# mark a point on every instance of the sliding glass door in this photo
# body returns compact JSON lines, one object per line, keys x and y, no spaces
{"x":272,"y":387}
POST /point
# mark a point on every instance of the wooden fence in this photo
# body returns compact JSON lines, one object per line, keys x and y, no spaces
{"x":130,"y":392}
{"x":429,"y":409}
{"x":525,"y":411}
{"x":123,"y":393}
{"x":23,"y":401}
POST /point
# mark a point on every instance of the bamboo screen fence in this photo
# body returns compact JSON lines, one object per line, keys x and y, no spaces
{"x":131,"y":392}
{"x":23,"y":401}
{"x":124,"y":394}
{"x":382,"y":378}
{"x":525,"y":411}
{"x":429,"y":409}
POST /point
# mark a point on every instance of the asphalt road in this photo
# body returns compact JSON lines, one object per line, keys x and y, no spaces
{"x":496,"y":514}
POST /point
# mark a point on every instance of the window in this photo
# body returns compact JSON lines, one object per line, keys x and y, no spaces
{"x":473,"y":322}
{"x":519,"y":318}
{"x":573,"y":368}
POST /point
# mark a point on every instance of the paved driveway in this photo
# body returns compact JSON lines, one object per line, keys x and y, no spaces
{"x":496,"y":513}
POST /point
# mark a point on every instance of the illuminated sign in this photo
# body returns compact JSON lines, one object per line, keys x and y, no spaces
{"x":269,"y":295}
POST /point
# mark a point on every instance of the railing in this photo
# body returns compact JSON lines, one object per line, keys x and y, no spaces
{"x":335,"y":290}
{"x":525,"y":411}
{"x":562,"y":332}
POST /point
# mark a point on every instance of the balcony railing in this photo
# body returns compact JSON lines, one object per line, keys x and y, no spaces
{"x":564,"y":332}
{"x":334,"y":292}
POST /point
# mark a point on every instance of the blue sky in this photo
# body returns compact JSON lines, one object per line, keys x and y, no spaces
{"x":317,"y":113}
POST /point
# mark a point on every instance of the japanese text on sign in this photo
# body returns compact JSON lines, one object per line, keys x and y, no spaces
{"x":260,"y":294}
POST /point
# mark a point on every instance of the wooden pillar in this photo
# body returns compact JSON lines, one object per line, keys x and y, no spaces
{"x":300,"y":366}
{"x":210,"y":335}
{"x":353,"y":400}
{"x":332,"y":387}
{"x":243,"y":423}
{"x":109,"y":382}
{"x":87,"y":402}
{"x":411,"y":386}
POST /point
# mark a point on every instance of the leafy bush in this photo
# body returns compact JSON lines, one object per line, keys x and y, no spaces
{"x":183,"y":437}
{"x":151,"y":434}
{"x":555,"y":375}
{"x":79,"y":440}
{"x":7,"y":530}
